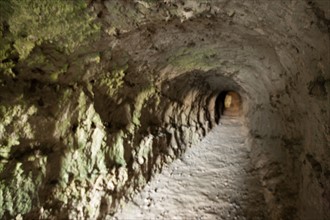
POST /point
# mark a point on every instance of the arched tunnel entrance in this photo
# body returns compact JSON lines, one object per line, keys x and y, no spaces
{"x":228,"y":103}
{"x":206,"y":95}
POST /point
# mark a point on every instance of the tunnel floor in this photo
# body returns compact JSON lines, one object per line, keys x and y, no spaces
{"x":213,"y":180}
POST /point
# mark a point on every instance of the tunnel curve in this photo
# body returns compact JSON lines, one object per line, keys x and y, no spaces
{"x":251,"y":63}
{"x":155,"y":84}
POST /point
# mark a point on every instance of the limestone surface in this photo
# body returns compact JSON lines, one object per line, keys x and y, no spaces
{"x":97,"y":96}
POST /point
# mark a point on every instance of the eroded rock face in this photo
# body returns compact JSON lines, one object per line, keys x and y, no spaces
{"x":84,"y":126}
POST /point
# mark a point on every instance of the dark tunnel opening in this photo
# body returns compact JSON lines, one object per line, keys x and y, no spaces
{"x":228,"y":103}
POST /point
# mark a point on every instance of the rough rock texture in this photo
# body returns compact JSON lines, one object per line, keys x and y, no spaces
{"x":95,"y":100}
{"x":213,"y":180}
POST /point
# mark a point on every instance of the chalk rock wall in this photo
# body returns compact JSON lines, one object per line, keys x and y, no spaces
{"x":87,"y":117}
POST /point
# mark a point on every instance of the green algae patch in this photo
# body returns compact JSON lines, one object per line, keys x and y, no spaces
{"x":18,"y":193}
{"x":24,"y":47}
{"x":83,"y":151}
{"x":116,"y":151}
{"x":55,"y":75}
{"x":145,"y":93}
{"x":92,"y":58}
{"x":83,"y":155}
{"x":18,"y":184}
{"x":113,"y":81}
{"x":9,"y":134}
{"x":63,"y":24}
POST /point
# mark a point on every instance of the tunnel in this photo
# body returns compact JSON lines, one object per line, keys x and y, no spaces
{"x":227,"y":103}
{"x":164,"y":109}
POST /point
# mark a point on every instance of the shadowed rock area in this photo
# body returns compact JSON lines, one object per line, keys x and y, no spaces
{"x":97,"y":96}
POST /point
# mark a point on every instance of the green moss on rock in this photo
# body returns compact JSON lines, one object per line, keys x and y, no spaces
{"x":9,"y":134}
{"x":116,"y":151}
{"x":142,"y":97}
{"x":113,"y":81}
{"x":18,"y":192}
{"x":64,"y":24}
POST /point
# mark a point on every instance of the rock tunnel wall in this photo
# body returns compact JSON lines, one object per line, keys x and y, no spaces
{"x":81,"y":133}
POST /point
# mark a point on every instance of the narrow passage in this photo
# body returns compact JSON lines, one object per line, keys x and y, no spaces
{"x":213,"y":180}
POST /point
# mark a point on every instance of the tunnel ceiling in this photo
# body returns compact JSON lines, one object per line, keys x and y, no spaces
{"x":95,"y":100}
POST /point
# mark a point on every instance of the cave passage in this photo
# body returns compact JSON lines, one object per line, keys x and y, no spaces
{"x":210,"y":181}
{"x":91,"y":111}
{"x":228,"y":103}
